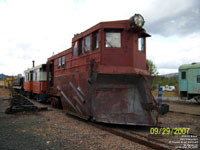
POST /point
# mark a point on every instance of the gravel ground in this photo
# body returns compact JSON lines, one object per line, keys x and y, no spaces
{"x":176,"y":120}
{"x":184,"y":106}
{"x":54,"y":130}
{"x":180,"y":120}
{"x":16,"y":133}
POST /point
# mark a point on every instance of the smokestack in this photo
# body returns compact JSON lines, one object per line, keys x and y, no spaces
{"x":33,"y":63}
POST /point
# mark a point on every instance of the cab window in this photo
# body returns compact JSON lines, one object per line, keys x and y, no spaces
{"x":95,"y":41}
{"x":141,"y":44}
{"x":80,"y":47}
{"x":87,"y":43}
{"x":183,"y":75}
{"x":31,"y":77}
{"x":27,"y":76}
{"x":75,"y":49}
{"x":113,"y":39}
{"x":59,"y":62}
{"x":63,"y":61}
{"x":198,"y":78}
{"x":35,"y":76}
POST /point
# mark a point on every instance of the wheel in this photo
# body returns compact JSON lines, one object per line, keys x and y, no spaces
{"x":54,"y":102}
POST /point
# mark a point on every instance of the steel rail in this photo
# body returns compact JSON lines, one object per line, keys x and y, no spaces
{"x":184,"y":113}
{"x":140,"y":139}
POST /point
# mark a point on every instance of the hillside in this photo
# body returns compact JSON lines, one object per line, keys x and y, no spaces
{"x":2,"y":76}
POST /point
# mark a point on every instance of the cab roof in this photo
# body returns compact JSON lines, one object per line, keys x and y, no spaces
{"x":36,"y":67}
{"x":190,"y":66}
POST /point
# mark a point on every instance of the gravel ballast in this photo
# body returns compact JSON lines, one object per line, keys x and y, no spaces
{"x":54,"y":130}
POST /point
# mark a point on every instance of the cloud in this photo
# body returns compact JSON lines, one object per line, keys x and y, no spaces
{"x":180,"y":19}
{"x":34,"y":29}
{"x":3,"y":64}
{"x":167,"y":71}
{"x":170,"y":52}
{"x":3,"y":1}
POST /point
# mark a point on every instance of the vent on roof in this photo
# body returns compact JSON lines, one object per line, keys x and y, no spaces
{"x":33,"y":63}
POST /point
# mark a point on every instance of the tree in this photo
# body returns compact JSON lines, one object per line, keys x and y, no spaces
{"x":152,"y":69}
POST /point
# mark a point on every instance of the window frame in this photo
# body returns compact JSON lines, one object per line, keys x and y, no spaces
{"x":80,"y":47}
{"x":113,"y":31}
{"x":87,"y":50}
{"x":75,"y":48}
{"x":183,"y":75}
{"x":35,"y":75}
{"x":31,"y":75}
{"x":95,"y":40}
{"x":59,"y":62}
{"x":141,"y":43}
{"x":27,"y":76}
{"x":63,"y":61}
{"x":198,"y":78}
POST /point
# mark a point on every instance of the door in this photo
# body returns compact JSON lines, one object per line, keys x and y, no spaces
{"x":51,"y":73}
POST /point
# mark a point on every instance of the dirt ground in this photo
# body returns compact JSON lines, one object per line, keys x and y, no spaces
{"x":183,"y":106}
{"x":4,"y":92}
{"x":165,"y":93}
{"x":54,"y":130}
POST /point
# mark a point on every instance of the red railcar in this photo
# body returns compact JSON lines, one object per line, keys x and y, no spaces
{"x":35,"y":83}
{"x":103,"y":76}
{"x":28,"y":81}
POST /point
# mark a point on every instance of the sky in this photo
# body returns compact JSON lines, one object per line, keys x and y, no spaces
{"x":35,"y":29}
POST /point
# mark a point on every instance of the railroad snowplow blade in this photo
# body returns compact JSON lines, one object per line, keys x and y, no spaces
{"x":123,"y":99}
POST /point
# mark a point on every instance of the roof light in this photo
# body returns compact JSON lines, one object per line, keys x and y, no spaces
{"x":137,"y":21}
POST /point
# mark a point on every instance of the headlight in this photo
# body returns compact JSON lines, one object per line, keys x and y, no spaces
{"x":137,"y":21}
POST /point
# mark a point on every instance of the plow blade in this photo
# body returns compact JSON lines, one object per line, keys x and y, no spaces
{"x":123,"y":99}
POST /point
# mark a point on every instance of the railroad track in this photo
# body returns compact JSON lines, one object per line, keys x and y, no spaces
{"x":184,"y":113}
{"x":146,"y":140}
{"x":132,"y":135}
{"x":19,"y":103}
{"x":136,"y":137}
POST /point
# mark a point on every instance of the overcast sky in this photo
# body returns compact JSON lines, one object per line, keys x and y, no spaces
{"x":35,"y":29}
